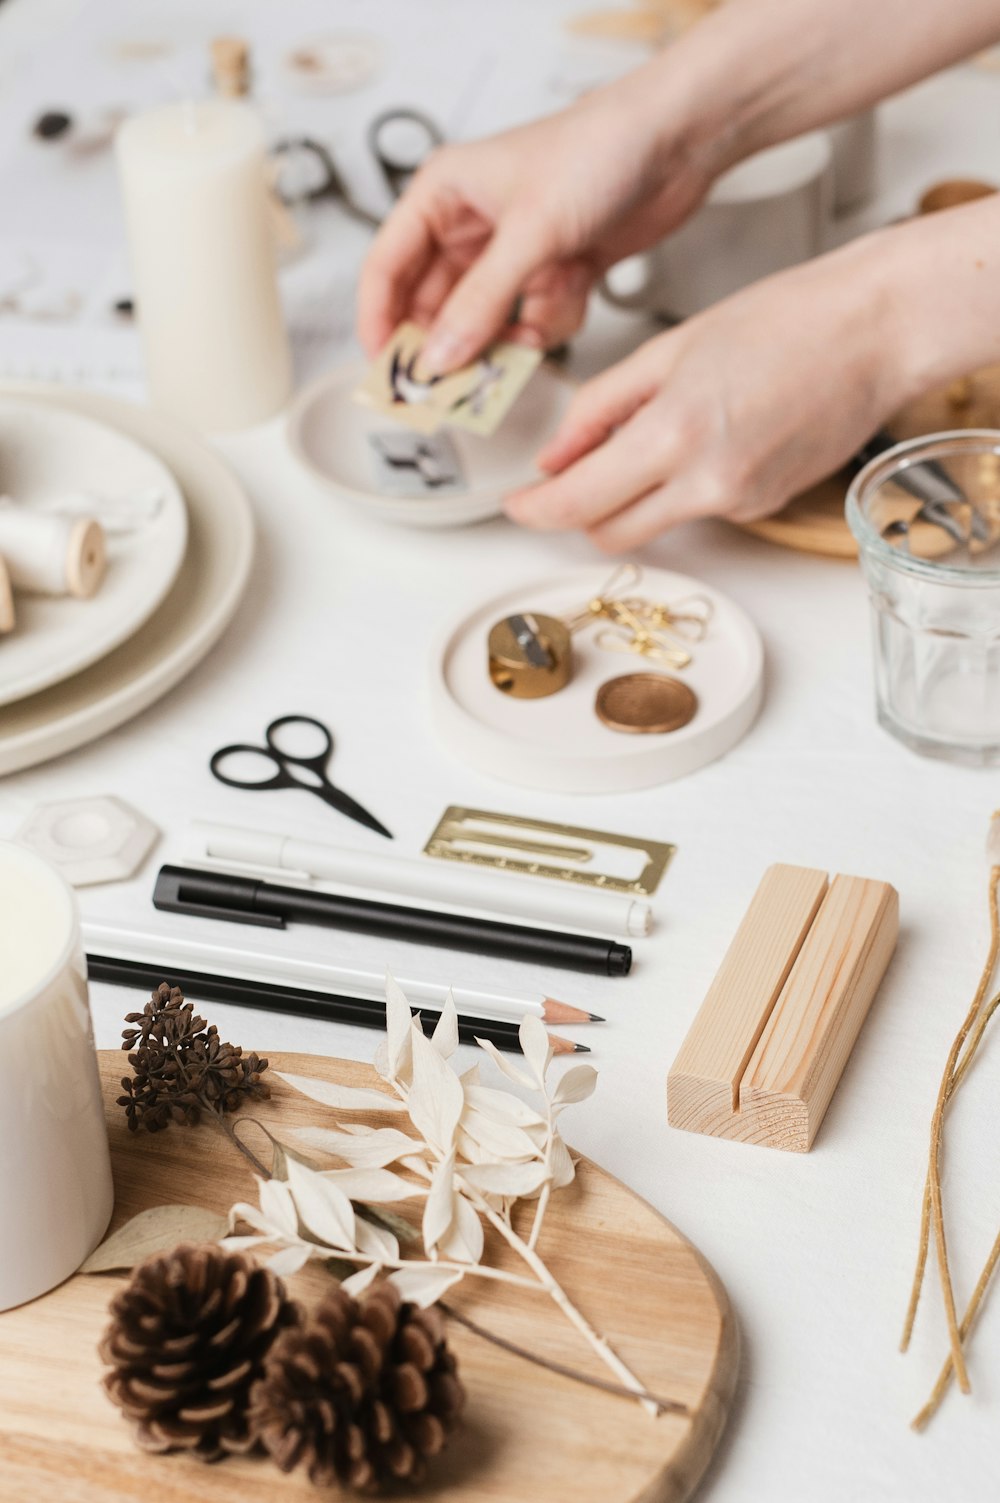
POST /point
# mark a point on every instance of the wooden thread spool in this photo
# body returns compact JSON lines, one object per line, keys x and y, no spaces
{"x":48,"y":553}
{"x":7,"y":616}
{"x":231,"y":73}
{"x":231,"y":67}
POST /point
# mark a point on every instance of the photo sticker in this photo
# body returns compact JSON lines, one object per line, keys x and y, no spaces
{"x":477,"y":397}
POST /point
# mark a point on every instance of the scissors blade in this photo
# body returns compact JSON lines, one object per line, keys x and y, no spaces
{"x":344,"y":804}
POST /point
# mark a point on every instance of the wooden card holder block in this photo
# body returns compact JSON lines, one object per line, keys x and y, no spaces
{"x":764,"y":1054}
{"x":704,"y":1084}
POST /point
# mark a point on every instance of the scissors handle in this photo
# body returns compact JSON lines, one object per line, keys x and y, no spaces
{"x":330,"y":183}
{"x":397,"y":173}
{"x":284,"y":776}
{"x":316,"y":761}
{"x":279,"y":778}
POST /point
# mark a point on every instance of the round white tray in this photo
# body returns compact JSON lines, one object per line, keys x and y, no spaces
{"x":190,"y":619}
{"x":47,"y":452}
{"x":558,"y":743}
{"x":328,"y":432}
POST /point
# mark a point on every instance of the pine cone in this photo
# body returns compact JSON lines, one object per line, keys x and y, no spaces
{"x":186,"y":1341}
{"x":361,"y":1395}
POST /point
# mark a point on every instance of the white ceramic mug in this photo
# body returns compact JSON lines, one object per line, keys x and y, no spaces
{"x":56,"y":1193}
{"x":855,"y":160}
{"x":763,"y":216}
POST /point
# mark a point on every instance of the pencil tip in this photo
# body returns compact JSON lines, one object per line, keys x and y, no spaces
{"x":562,"y":1012}
{"x":595,"y":1017}
{"x":581,"y":1049}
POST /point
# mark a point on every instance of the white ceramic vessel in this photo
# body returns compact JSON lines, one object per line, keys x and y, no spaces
{"x":855,"y":160}
{"x":56,"y":1192}
{"x":763,"y":216}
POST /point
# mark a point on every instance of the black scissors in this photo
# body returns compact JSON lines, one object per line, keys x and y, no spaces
{"x":280,"y":751}
{"x":398,"y":139}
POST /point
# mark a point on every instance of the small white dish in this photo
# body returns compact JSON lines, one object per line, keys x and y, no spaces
{"x":559,"y":743}
{"x":48,"y":452}
{"x":328,"y":432}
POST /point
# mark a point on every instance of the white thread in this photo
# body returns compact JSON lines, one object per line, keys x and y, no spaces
{"x":44,"y":552}
{"x":125,"y":513}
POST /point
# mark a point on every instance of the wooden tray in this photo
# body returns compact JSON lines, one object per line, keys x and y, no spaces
{"x":529,"y":1435}
{"x":814,"y":522}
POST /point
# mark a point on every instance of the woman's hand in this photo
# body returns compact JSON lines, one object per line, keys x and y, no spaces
{"x":537,"y":214}
{"x":733,"y":412}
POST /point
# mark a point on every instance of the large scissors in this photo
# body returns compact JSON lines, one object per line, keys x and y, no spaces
{"x":283,"y":750}
{"x":400,"y":140}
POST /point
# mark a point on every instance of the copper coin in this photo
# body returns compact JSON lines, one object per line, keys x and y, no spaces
{"x":645,"y":703}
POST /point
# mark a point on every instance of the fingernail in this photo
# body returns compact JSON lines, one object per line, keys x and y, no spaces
{"x":443,"y":352}
{"x":523,"y":334}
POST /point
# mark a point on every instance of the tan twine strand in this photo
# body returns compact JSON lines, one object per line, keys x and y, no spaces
{"x":972,"y":1309}
{"x":932,"y":1211}
{"x":940,"y":1388}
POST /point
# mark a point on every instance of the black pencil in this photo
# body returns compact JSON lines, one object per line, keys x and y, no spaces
{"x":365,"y":1012}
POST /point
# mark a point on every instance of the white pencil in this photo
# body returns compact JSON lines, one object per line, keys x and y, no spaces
{"x":398,"y":879}
{"x":149,"y":948}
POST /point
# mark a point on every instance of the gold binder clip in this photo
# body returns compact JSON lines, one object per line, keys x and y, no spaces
{"x":630,"y":634}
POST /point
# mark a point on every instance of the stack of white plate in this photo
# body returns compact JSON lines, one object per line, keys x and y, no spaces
{"x":73,"y":669}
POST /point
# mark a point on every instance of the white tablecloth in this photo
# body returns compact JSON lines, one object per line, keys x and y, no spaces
{"x":816,"y":1251}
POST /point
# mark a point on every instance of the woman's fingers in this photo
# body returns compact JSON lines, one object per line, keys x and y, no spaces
{"x":616,"y":472}
{"x":645,"y":518}
{"x":399,"y":259}
{"x":554,"y":303}
{"x":598,"y":408}
{"x":430,"y":293}
{"x":482,"y":300}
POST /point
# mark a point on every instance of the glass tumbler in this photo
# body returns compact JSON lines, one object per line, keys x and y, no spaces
{"x":926,"y":516}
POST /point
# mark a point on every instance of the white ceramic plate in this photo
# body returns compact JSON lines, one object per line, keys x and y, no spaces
{"x":559,"y":743}
{"x":47,"y":452}
{"x":328,"y":432}
{"x":188,"y":622}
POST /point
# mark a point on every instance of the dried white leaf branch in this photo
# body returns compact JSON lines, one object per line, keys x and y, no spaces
{"x":478,"y":1151}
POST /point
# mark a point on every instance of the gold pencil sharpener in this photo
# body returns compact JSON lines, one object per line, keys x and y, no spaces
{"x":530,"y":655}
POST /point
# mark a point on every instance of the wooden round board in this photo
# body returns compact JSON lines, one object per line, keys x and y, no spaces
{"x":528,"y":1433}
{"x":814,"y":522}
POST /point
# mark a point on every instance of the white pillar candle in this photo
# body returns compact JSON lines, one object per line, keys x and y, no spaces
{"x":55,"y":1170}
{"x":203,"y":266}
